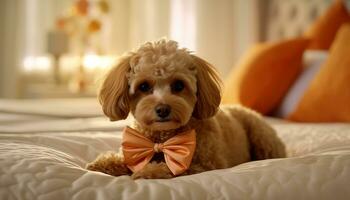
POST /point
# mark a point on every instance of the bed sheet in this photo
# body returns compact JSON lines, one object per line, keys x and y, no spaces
{"x":45,"y":159}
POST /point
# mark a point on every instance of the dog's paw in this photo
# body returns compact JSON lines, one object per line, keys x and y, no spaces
{"x":109,"y":163}
{"x":153,"y":171}
{"x":150,"y":175}
{"x":111,"y":168}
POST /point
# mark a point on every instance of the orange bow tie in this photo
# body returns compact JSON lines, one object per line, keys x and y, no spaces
{"x":139,"y":150}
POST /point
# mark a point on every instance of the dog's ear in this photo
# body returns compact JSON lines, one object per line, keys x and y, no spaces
{"x":114,"y":92}
{"x":208,"y":89}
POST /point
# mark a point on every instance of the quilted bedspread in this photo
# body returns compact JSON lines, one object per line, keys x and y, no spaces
{"x":46,"y":160}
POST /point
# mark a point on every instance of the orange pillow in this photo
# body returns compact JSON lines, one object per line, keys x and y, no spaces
{"x":265,"y":74}
{"x":323,"y":31}
{"x":328,"y":96}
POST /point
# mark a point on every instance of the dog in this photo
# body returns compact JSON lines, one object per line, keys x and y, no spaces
{"x":168,"y":90}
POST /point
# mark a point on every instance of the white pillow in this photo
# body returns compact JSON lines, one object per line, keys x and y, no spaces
{"x":347,"y":5}
{"x":312,"y":61}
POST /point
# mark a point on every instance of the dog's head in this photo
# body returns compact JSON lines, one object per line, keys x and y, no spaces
{"x":162,"y":85}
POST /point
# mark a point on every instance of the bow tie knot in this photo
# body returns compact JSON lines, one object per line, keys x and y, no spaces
{"x":158,"y":147}
{"x":139,"y":150}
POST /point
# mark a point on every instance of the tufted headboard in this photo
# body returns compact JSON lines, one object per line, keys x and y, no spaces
{"x":288,"y":18}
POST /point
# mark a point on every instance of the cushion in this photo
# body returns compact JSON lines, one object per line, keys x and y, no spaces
{"x":312,"y":62}
{"x":328,"y":97}
{"x":323,"y":31}
{"x":265,"y":73}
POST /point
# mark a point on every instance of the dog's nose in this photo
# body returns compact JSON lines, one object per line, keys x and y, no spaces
{"x":163,"y":110}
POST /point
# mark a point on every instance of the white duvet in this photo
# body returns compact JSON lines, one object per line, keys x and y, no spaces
{"x":45,"y":159}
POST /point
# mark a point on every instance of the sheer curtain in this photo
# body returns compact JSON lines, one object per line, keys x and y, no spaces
{"x":24,"y":25}
{"x":11,"y":45}
{"x":218,"y":31}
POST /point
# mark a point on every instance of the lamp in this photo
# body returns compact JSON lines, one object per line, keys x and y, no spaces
{"x":57,"y":44}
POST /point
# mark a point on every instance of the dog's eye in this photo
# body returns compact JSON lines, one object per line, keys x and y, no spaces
{"x":144,"y":87}
{"x":177,"y":86}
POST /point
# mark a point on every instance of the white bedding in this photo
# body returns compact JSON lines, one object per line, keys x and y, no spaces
{"x":45,"y":159}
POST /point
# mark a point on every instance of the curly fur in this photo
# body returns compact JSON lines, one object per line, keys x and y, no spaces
{"x":225,"y":137}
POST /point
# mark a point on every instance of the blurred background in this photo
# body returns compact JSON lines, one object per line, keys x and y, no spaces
{"x":60,"y":48}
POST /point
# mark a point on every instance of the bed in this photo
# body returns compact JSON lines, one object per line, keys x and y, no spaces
{"x":43,"y":153}
{"x":45,"y":145}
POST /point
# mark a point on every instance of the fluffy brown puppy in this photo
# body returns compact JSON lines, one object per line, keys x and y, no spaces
{"x":167,"y":90}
